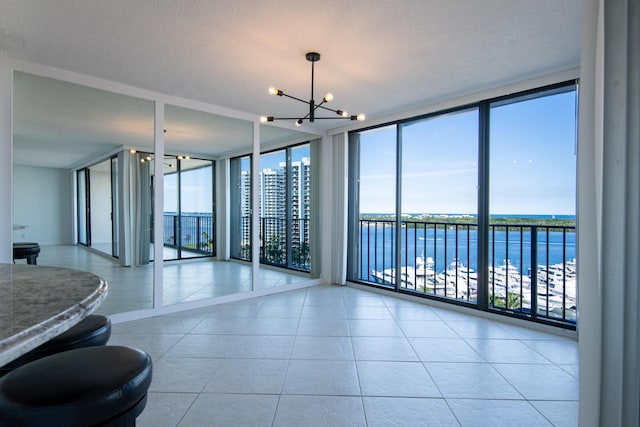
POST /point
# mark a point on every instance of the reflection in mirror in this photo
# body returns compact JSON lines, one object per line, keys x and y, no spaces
{"x":240,"y":209}
{"x":188,"y":208}
{"x":78,"y":191}
{"x":197,"y":257}
{"x":285,"y":215}
{"x":98,"y":227}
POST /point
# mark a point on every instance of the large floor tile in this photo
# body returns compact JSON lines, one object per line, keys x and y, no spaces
{"x":399,"y":379}
{"x":496,"y":413}
{"x":158,"y":325}
{"x":396,"y":411}
{"x":324,"y":328}
{"x":479,"y":329}
{"x":471,"y":380}
{"x":261,"y":347}
{"x":323,"y":312}
{"x":374,"y":328}
{"x":279,"y":312}
{"x":413,"y":312}
{"x":427,"y":329}
{"x":319,"y":411}
{"x":383,"y":348}
{"x":252,"y":376}
{"x":559,"y":413}
{"x":562,"y":352}
{"x":231,"y":410}
{"x":155,"y":345}
{"x":445,"y":350}
{"x":209,"y":346}
{"x":231,"y":311}
{"x":165,"y":409}
{"x":540,"y":382}
{"x":322,"y":377}
{"x":186,"y":375}
{"x":506,"y":351}
{"x":326,"y":348}
{"x":360,"y":312}
{"x":270,"y":326}
{"x":216,"y":325}
{"x":291,"y":298}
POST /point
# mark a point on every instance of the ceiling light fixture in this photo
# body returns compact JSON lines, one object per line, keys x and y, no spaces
{"x":312,"y":57}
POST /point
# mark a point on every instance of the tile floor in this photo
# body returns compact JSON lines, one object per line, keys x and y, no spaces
{"x":131,"y":288}
{"x":342,"y":356}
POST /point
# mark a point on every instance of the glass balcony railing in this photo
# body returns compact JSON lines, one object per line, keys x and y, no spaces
{"x":531,"y":270}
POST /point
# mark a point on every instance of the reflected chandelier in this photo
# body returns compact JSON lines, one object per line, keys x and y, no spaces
{"x":312,"y":57}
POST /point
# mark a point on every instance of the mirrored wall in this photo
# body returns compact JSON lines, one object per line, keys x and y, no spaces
{"x":84,"y":180}
{"x":77,"y":193}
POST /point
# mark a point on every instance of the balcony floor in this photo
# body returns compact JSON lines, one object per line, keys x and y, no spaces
{"x":333,"y":356}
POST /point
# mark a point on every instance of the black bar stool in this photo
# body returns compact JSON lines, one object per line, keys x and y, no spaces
{"x":28,"y":250}
{"x":93,"y":330}
{"x":91,"y":386}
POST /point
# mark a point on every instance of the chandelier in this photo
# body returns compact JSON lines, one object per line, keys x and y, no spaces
{"x":312,"y":57}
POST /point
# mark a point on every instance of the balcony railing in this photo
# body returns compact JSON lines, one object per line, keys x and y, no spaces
{"x":273,"y":242}
{"x":531,"y":270}
{"x":192,"y":233}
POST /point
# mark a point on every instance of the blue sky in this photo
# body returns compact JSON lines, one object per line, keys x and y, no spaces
{"x":272,"y":160}
{"x":196,"y":191}
{"x":532,"y":155}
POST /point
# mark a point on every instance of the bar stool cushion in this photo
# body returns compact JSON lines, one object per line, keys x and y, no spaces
{"x":93,"y":330}
{"x":81,"y":387}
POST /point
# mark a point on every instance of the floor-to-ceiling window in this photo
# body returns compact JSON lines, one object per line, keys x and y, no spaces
{"x":439,"y":202}
{"x":374,"y":257}
{"x":532,"y":199}
{"x":475,"y":204}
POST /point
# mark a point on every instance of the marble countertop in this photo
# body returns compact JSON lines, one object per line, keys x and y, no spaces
{"x":37,"y":303}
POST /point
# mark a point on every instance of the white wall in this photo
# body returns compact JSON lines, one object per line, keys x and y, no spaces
{"x":42,"y":200}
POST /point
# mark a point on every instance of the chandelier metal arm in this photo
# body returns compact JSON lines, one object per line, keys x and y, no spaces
{"x":281,"y":93}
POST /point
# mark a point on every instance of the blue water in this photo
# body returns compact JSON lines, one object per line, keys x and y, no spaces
{"x":420,"y":242}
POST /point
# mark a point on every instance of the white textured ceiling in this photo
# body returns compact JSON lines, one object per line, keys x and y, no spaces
{"x":378,"y":56}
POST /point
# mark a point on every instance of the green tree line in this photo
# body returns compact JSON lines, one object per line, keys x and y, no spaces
{"x":500,"y":222}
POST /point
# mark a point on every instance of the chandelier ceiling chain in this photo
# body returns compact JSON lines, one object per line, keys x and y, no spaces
{"x":312,"y":57}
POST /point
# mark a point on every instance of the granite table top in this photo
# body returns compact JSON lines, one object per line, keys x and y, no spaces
{"x":37,"y":303}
